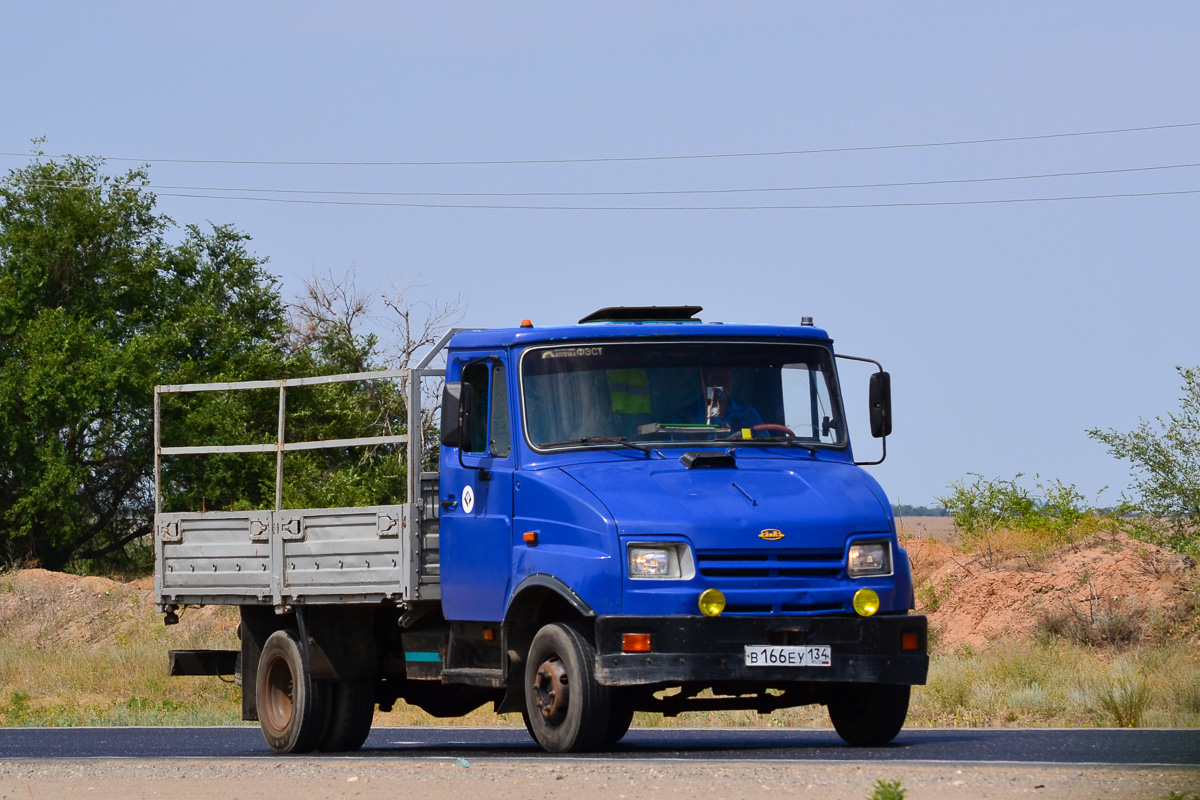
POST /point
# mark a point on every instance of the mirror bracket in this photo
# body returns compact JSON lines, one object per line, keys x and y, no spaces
{"x":880,"y":403}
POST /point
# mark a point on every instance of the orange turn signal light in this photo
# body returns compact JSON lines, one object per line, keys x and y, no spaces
{"x":489,"y":634}
{"x":909,"y":640}
{"x":530,"y":537}
{"x":635,"y":642}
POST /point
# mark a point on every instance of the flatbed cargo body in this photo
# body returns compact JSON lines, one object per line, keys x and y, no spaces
{"x":326,"y":555}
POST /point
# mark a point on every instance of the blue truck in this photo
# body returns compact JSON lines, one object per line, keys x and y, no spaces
{"x":638,"y":512}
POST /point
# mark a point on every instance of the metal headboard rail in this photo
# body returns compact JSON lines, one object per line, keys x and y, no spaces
{"x":280,"y":446}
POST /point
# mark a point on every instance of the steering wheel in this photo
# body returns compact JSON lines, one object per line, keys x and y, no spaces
{"x":774,"y":427}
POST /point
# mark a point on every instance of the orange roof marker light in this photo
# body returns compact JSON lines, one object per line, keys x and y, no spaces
{"x":526,"y":323}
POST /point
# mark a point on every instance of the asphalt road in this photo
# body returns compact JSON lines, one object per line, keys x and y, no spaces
{"x":1115,"y":747}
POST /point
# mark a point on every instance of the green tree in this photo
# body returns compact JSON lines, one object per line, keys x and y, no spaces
{"x":96,"y":307}
{"x":325,"y":336}
{"x":1166,"y":467}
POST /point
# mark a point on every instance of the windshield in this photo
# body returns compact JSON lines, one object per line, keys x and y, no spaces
{"x":664,"y":393}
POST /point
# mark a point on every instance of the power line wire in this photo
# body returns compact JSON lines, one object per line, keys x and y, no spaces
{"x":661,"y":192}
{"x":685,"y":208}
{"x":616,"y":159}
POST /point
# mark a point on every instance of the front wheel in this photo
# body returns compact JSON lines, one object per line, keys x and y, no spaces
{"x":565,"y":709}
{"x":868,"y":714}
{"x":620,"y":717}
{"x":293,"y":709}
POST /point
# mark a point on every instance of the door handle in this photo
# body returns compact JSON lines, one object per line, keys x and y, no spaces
{"x":449,"y":504}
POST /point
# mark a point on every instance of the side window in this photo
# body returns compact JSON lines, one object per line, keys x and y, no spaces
{"x":490,"y":430}
{"x":807,"y":404}
{"x":477,"y":375}
{"x":501,"y":439}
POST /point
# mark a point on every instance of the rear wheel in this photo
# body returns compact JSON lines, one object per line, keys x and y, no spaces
{"x":352,"y":707}
{"x":565,"y":709}
{"x":293,"y":709}
{"x":868,"y":714}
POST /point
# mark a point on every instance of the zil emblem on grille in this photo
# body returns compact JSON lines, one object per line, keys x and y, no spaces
{"x":771,"y":535}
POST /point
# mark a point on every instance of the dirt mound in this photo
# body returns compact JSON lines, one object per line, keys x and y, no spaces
{"x":1113,"y":590}
{"x":43,"y":610}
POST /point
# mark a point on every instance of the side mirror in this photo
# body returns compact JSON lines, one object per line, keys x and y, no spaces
{"x":457,"y":401}
{"x":880,"y":391}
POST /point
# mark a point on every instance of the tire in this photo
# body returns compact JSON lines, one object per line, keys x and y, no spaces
{"x":528,"y":725}
{"x":566,"y":710}
{"x":351,"y":709}
{"x":868,"y":714}
{"x":620,"y":717}
{"x":293,"y":709}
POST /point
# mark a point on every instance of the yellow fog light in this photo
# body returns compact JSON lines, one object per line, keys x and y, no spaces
{"x":712,"y":602}
{"x":866,"y":602}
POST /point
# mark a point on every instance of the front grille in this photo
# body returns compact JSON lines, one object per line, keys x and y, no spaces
{"x":777,"y":564}
{"x":748,"y":608}
{"x":809,"y":608}
{"x":783,"y":608}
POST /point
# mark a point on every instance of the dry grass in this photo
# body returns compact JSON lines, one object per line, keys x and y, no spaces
{"x":89,"y":651}
{"x":1060,"y":684}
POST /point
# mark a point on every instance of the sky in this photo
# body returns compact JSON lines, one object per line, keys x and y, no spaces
{"x":1009,"y":328}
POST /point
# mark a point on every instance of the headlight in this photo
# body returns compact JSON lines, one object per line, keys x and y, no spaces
{"x":869,"y":558}
{"x":661,"y":562}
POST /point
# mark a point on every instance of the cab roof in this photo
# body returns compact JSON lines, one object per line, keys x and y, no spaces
{"x":635,"y":322}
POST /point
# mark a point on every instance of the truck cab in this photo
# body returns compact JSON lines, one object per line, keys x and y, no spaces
{"x":672,"y":504}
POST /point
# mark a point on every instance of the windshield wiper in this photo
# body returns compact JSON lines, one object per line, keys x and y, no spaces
{"x":692,"y":428}
{"x":811,"y":447}
{"x":617,"y":440}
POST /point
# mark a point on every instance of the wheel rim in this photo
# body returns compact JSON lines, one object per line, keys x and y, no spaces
{"x":551,"y":690}
{"x":280,"y":703}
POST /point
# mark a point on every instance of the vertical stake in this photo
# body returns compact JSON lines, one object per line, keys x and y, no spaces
{"x":279,"y":448}
{"x":157,"y":454}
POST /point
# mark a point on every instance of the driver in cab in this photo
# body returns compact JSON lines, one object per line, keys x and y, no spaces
{"x":720,"y":407}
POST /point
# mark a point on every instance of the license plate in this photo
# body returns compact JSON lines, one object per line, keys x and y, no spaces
{"x":766,"y":655}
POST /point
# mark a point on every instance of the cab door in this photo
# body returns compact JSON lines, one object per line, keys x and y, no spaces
{"x":477,"y":500}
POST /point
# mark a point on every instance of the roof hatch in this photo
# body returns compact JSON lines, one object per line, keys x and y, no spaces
{"x":644,"y":314}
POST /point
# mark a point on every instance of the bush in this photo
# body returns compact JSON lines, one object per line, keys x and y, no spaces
{"x":1166,"y":470}
{"x":998,"y":517}
{"x":16,"y":710}
{"x":887,"y":790}
{"x":1104,"y":622}
{"x":931,"y":594}
{"x":1124,"y":698}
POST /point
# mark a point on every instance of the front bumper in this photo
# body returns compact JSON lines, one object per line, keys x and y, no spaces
{"x":695,"y":649}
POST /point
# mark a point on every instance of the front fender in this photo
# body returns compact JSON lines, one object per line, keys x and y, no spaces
{"x":574,"y":539}
{"x":538,"y":585}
